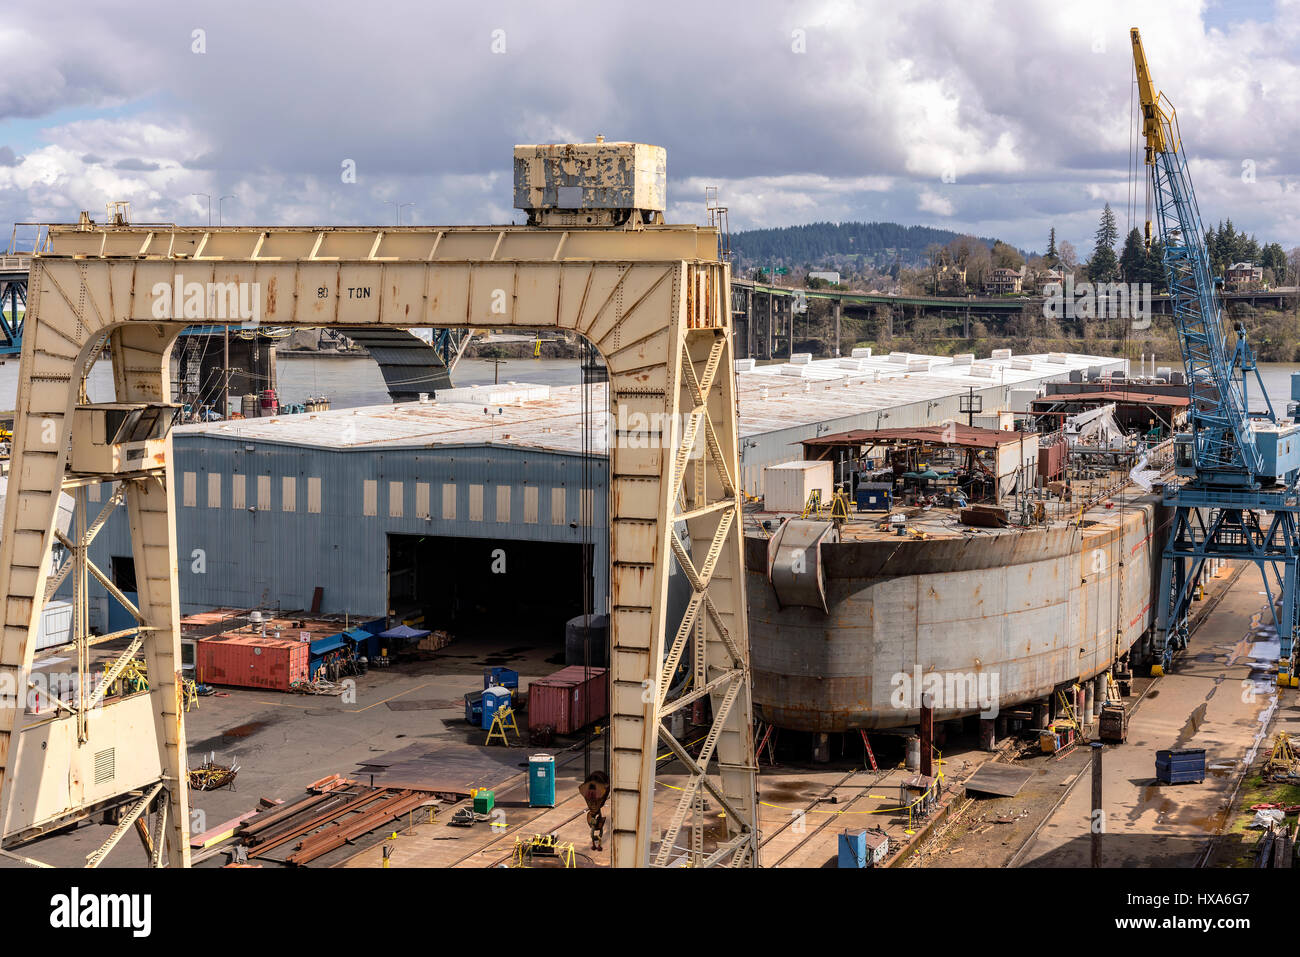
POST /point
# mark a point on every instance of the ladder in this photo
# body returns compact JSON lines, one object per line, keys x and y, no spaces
{"x":871,"y":755}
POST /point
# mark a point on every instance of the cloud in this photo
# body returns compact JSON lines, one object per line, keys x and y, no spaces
{"x":1002,"y":119}
{"x":932,"y":202}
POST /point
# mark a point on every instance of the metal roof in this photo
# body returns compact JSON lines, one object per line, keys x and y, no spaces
{"x":771,"y":398}
{"x":954,"y":433}
{"x":1103,"y":397}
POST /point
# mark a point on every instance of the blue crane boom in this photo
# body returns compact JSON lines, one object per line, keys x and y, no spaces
{"x":1239,"y":499}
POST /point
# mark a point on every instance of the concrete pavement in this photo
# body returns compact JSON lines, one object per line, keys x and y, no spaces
{"x":1220,"y":696}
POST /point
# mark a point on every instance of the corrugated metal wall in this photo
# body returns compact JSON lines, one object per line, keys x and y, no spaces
{"x":265,"y":523}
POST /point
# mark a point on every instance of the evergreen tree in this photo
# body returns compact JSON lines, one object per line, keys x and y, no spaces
{"x":1274,"y":258}
{"x":1052,"y":258}
{"x":1103,"y":267}
{"x":1133,"y":260}
{"x":1154,"y":271}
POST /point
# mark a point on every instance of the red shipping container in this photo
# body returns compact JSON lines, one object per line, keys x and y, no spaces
{"x":568,"y":700}
{"x":251,"y":661}
{"x":1051,"y":460}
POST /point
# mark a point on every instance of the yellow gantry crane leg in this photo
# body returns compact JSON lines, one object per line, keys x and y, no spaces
{"x":655,"y":301}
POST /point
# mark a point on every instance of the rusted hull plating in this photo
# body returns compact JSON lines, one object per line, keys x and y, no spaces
{"x":994,"y":619}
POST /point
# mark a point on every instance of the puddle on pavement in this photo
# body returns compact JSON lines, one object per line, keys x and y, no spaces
{"x":1194,"y":722}
{"x":785,"y":791}
{"x":243,"y":730}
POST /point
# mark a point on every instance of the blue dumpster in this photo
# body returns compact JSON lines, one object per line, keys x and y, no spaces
{"x":494,"y":699}
{"x":875,"y":496}
{"x":541,"y":780}
{"x":501,"y":676}
{"x":1181,"y":766}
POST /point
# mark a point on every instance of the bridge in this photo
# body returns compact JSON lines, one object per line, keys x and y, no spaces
{"x":763,"y":313}
{"x":13,"y":302}
{"x":409,"y":364}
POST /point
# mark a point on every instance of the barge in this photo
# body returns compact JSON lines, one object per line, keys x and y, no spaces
{"x":852,"y":620}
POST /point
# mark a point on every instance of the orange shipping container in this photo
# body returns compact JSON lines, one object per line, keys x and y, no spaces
{"x":251,"y":661}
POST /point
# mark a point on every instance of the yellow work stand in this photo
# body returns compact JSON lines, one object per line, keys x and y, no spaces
{"x":503,"y":721}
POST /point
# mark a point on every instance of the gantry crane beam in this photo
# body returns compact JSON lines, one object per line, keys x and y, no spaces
{"x":653,"y":299}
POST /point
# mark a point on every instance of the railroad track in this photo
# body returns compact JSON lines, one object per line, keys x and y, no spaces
{"x":812,"y":805}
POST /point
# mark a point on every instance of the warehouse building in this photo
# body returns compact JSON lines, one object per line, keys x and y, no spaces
{"x":473,"y":511}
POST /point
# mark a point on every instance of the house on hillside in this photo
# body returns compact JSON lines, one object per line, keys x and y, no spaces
{"x":1244,"y":276}
{"x":1005,"y":281}
{"x":951,"y":281}
{"x":1050,"y":277}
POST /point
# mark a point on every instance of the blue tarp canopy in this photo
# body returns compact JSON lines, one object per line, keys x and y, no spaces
{"x":322,"y":646}
{"x":359,"y":635}
{"x":404,"y":633}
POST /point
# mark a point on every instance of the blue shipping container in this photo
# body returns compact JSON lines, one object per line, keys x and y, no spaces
{"x":494,"y":699}
{"x":541,"y":780}
{"x":1182,"y":766}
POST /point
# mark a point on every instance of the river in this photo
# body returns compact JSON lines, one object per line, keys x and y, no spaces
{"x":350,"y":383}
{"x":1277,"y":380}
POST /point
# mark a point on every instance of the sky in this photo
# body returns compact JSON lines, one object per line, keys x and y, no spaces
{"x":996,"y":118}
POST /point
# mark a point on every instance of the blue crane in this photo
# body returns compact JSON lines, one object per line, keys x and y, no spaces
{"x":1238,"y":497}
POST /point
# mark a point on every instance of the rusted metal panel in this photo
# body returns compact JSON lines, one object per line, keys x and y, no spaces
{"x":796,"y":569}
{"x":600,"y":175}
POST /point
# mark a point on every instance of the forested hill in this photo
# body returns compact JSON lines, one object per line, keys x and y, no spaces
{"x":880,"y":244}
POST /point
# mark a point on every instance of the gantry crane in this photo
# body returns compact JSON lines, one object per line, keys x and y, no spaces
{"x":596,"y":259}
{"x":1239,"y":500}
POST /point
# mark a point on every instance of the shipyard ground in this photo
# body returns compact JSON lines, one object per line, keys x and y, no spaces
{"x":1219,"y":697}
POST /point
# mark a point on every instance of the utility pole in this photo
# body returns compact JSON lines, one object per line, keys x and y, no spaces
{"x":208,"y":196}
{"x":399,"y":208}
{"x":220,"y":200}
{"x":225,"y":373}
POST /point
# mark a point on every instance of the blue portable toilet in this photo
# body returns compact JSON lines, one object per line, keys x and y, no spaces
{"x":494,"y":699}
{"x":501,"y":676}
{"x":541,"y":780}
{"x":853,"y":847}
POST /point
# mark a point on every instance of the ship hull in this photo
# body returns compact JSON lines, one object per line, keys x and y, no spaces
{"x":985,"y":622}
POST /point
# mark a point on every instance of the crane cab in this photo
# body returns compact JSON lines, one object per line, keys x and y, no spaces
{"x":1279,"y":450}
{"x":114,"y":437}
